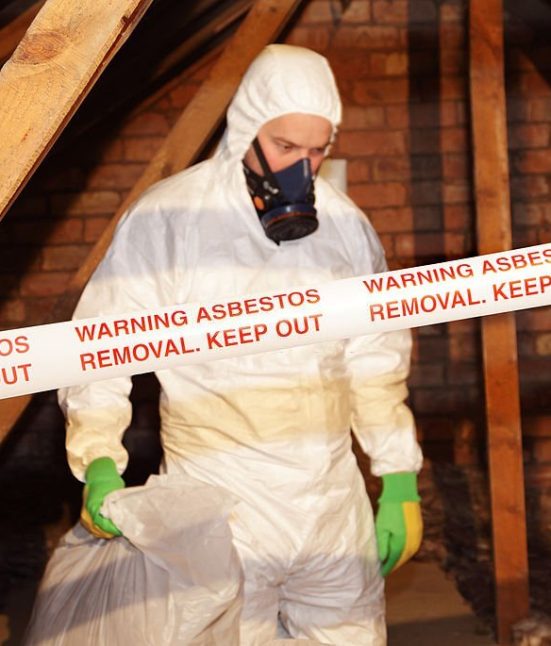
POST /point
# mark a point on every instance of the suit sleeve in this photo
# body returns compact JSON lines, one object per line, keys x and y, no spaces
{"x":131,"y":277}
{"x":378,"y":366}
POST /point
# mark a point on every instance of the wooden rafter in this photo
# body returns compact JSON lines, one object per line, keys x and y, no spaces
{"x":12,"y":33}
{"x":53,"y":68}
{"x":183,"y":144}
{"x":491,"y":171}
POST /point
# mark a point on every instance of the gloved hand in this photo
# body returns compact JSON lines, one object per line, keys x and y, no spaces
{"x":398,"y":523}
{"x":101,"y":478}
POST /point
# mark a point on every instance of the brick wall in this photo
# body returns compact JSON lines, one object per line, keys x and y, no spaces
{"x":402,"y":70}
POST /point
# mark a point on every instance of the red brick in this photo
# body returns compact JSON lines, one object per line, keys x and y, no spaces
{"x":453,"y":113}
{"x":357,"y":12}
{"x":543,"y":344}
{"x":372,"y":91}
{"x":368,"y":37}
{"x":516,"y":59}
{"x":526,"y":237}
{"x":422,"y":245}
{"x":388,"y":64}
{"x":531,"y":214}
{"x":115,"y":176}
{"x":388,"y":245}
{"x":51,"y":283}
{"x":428,"y":218}
{"x":452,"y":12}
{"x":464,"y":348}
{"x":426,"y":193}
{"x":452,"y":401}
{"x":350,"y":65}
{"x":538,"y":318}
{"x":181,"y":95}
{"x":69,"y":230}
{"x":457,"y":217}
{"x":425,"y":141}
{"x":372,"y":143}
{"x":453,"y":61}
{"x":454,"y":35}
{"x":457,"y":192}
{"x":397,"y":116}
{"x":533,"y":135}
{"x":110,"y":151}
{"x":463,"y":372}
{"x":402,"y":12}
{"x":146,"y":123}
{"x":540,"y":109}
{"x":426,"y":374}
{"x":39,"y":309}
{"x":94,"y":227}
{"x":141,"y":149}
{"x":320,"y":11}
{"x":533,"y":162}
{"x":519,"y":110}
{"x":65,"y":258}
{"x":91,"y":202}
{"x":378,"y":195}
{"x":359,"y":170}
{"x":541,"y":450}
{"x":316,"y":38}
{"x":12,"y":312}
{"x":392,"y":220}
{"x":533,"y":85}
{"x":532,"y":186}
{"x":389,"y":168}
{"x":424,"y":115}
{"x":362,"y":118}
{"x":456,"y":166}
{"x":453,"y":87}
{"x":457,"y":245}
{"x":454,"y":140}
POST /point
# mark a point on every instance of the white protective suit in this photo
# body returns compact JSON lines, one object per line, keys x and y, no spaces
{"x":273,"y":428}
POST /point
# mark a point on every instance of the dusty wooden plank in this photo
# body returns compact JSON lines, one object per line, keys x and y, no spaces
{"x":49,"y":74}
{"x":498,"y":332}
{"x":12,"y":33}
{"x":183,"y":144}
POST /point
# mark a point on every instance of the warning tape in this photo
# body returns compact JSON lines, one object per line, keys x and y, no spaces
{"x":71,"y":353}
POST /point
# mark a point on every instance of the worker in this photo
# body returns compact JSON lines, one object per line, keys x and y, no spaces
{"x":272,"y":428}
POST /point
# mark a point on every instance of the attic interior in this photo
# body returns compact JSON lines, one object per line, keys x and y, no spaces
{"x":409,"y":139}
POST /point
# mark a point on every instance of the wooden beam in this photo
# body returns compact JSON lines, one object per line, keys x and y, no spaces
{"x":54,"y":67}
{"x":12,"y":33}
{"x":184,"y":143}
{"x":491,"y":172}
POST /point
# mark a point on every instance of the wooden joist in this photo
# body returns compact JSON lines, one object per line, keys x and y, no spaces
{"x":53,"y":68}
{"x":184,"y":143}
{"x":491,"y":172}
{"x":12,"y":33}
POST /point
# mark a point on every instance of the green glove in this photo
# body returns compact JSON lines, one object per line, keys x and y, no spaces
{"x":398,"y":523}
{"x":102,"y":478}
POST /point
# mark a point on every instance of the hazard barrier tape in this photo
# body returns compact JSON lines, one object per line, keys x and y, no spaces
{"x":46,"y":357}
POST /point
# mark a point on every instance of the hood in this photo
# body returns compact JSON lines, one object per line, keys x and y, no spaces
{"x":282,"y":79}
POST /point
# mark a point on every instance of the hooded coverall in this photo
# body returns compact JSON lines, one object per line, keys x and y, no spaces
{"x":272,"y":428}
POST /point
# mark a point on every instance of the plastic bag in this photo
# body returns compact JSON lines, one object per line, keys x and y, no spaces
{"x":174,"y":578}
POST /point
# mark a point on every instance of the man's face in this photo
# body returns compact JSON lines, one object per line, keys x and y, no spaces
{"x":291,"y":137}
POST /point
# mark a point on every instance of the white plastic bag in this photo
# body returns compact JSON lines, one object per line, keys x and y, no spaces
{"x":174,"y":578}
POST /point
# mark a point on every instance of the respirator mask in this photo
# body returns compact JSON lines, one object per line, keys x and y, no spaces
{"x":284,"y":200}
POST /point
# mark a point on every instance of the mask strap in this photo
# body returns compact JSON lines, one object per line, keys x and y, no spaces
{"x":264,"y":163}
